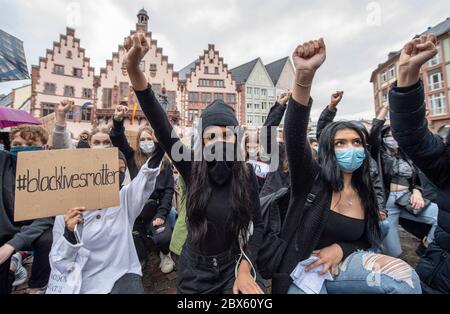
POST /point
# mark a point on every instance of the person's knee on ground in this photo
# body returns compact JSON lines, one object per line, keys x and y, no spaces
{"x":394,"y":268}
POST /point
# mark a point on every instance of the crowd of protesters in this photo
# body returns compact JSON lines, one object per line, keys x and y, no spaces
{"x":236,"y":208}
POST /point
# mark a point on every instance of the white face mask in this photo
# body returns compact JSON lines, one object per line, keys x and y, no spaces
{"x":253,"y":153}
{"x":2,"y":147}
{"x":148,"y":147}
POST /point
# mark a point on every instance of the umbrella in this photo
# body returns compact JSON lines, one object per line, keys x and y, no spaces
{"x":12,"y":117}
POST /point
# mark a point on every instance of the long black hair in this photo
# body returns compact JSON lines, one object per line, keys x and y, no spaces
{"x":199,"y":193}
{"x":361,"y":179}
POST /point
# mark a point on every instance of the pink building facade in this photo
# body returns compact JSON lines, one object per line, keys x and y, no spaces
{"x":64,"y":73}
{"x":203,"y":81}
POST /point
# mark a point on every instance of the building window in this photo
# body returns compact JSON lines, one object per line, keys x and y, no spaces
{"x":124,"y":91}
{"x":383,"y":77}
{"x":256,"y":91}
{"x":153,"y":70}
{"x":69,"y":91}
{"x":271,"y":93}
{"x":384,"y":98}
{"x":391,"y":72}
{"x":437,"y":104}
{"x":249,"y":90}
{"x":77,"y":72}
{"x":203,"y":83}
{"x":192,"y":115}
{"x":249,"y":106}
{"x":435,"y":80}
{"x":218,"y":96}
{"x":69,"y":54}
{"x":107,"y":98}
{"x":263,"y":119}
{"x":193,"y":96}
{"x":49,"y":88}
{"x":257,"y":106}
{"x":216,"y":70}
{"x":231,"y":98}
{"x":264,"y":106}
{"x":206,"y":97}
{"x":86,"y":114}
{"x":58,"y":69}
{"x":264,"y":92}
{"x":87,"y":93}
{"x":437,"y":58}
{"x":206,"y":70}
{"x":47,"y":109}
{"x":219,"y":83}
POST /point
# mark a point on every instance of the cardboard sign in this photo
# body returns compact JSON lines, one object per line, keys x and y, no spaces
{"x":49,"y":183}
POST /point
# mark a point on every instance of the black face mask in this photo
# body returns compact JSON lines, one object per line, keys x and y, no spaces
{"x":220,"y":171}
{"x":121,"y":179}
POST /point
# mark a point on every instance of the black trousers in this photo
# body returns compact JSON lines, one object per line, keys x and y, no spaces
{"x":199,"y":274}
{"x":6,"y":277}
{"x":40,"y":269}
{"x":161,"y":235}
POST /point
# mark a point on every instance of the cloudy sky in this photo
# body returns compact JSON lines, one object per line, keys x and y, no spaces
{"x":359,"y":33}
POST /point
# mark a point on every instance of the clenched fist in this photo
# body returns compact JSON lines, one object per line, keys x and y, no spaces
{"x":120,"y":112}
{"x":415,"y":54}
{"x":309,"y":57}
{"x":335,"y":100}
{"x":62,"y":110}
{"x":137,"y":47}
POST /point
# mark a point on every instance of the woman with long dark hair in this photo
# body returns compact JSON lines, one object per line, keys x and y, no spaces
{"x":223,"y":212}
{"x":332,"y":220}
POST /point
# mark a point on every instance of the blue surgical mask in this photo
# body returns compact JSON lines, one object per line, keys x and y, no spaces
{"x":350,"y":160}
{"x":2,"y":147}
{"x":19,"y":149}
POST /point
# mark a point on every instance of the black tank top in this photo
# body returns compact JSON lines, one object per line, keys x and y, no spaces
{"x":340,"y":228}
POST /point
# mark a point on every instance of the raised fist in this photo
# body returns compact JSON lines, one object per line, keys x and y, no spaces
{"x":120,"y":112}
{"x":415,"y":54}
{"x":64,"y":107}
{"x":336,"y":99}
{"x":310,"y":56}
{"x":137,"y":47}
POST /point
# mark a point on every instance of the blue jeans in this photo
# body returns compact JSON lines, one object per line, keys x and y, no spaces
{"x":172,"y":218}
{"x":361,"y":274}
{"x":391,"y":244}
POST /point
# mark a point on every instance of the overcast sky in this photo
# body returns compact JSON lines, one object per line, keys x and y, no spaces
{"x":359,"y":33}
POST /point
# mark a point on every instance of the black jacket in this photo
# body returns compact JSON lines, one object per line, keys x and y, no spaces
{"x":431,"y":155}
{"x":302,"y":229}
{"x":19,"y":235}
{"x":326,"y":118}
{"x":386,"y":159}
{"x":165,"y":184}
{"x":278,"y":179}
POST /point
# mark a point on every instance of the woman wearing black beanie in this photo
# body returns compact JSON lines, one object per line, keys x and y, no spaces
{"x":223,"y":210}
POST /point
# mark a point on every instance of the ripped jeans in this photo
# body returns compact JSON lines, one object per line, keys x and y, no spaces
{"x":371,"y":273}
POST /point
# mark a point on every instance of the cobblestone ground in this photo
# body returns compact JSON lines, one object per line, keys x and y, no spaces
{"x":156,"y":282}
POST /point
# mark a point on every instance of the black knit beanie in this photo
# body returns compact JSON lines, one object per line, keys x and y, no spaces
{"x":218,"y":113}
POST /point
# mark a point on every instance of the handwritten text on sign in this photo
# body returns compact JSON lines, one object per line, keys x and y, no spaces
{"x":49,"y":183}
